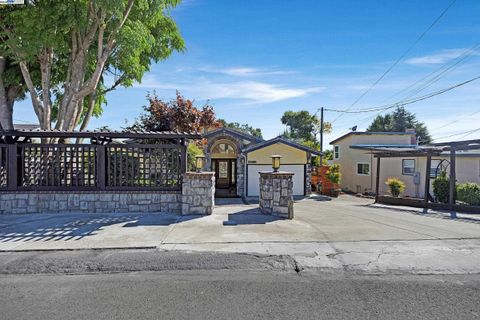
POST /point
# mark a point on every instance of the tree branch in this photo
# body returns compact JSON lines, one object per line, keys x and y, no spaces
{"x":92,"y":83}
{"x":37,"y":104}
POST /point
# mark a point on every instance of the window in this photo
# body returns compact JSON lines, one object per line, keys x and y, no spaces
{"x":363,"y":169}
{"x":223,"y":148}
{"x":223,"y":169}
{"x":408,"y":167}
{"x":336,"y":152}
{"x":434,"y":170}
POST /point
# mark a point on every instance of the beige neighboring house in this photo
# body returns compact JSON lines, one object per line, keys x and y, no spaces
{"x":353,"y":152}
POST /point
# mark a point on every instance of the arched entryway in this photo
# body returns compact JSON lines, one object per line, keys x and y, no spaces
{"x":223,"y":157}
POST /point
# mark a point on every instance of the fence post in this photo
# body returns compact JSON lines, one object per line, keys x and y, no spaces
{"x":377,"y":181}
{"x":183,"y":159}
{"x":101,"y":163}
{"x":12,"y":167}
{"x":427,"y":180}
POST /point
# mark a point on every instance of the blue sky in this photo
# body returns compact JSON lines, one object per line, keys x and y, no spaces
{"x":253,"y":60}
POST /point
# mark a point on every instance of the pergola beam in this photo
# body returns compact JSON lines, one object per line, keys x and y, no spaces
{"x":456,"y":143}
{"x":377,"y":185}
{"x":453,"y":180}
{"x":100,"y":134}
{"x":427,"y":180}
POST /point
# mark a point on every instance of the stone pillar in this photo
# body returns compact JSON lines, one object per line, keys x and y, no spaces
{"x":240,"y":178}
{"x":198,"y":193}
{"x":308,"y":179}
{"x":276,"y":194}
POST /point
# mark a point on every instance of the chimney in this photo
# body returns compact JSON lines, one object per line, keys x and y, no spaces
{"x":413,"y":136}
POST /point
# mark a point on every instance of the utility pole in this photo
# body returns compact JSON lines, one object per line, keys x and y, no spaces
{"x":321,"y":136}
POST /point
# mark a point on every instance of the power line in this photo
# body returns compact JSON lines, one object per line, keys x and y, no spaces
{"x":468,"y":53}
{"x":455,"y":121}
{"x":405,"y":102}
{"x":437,"y":75}
{"x":469,"y":133}
{"x":399,"y":59}
{"x":465,"y":133}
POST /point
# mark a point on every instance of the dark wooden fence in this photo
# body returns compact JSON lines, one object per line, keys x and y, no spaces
{"x":77,"y":167}
{"x":3,"y":166}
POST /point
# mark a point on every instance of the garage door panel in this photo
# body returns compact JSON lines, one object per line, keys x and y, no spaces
{"x":254,"y":177}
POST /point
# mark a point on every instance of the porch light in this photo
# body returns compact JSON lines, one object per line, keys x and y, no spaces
{"x":199,"y":162}
{"x":276,"y":162}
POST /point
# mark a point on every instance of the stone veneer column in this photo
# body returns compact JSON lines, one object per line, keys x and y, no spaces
{"x":308,"y":179}
{"x":276,"y":194}
{"x":198,"y":193}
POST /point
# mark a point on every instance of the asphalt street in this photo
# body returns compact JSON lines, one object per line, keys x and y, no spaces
{"x":153,"y":284}
{"x":238,"y":294}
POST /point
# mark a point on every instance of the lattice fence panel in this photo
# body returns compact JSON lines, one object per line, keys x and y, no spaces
{"x":143,"y":166}
{"x":3,"y":166}
{"x":58,"y":166}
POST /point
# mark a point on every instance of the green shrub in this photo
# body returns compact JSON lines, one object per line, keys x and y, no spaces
{"x":441,"y":187}
{"x":469,"y":193}
{"x":192,"y":151}
{"x":333,"y":174}
{"x":395,"y":185}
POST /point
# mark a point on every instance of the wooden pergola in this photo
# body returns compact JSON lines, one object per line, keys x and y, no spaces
{"x":428,"y":151}
{"x":137,"y":160}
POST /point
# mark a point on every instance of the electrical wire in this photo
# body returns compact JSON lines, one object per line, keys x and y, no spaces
{"x":464,"y":133}
{"x":405,"y":102}
{"x":455,"y":121}
{"x":455,"y":63}
{"x":398,"y":60}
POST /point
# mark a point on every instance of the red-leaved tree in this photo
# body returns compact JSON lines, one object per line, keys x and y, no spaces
{"x":179,"y":114}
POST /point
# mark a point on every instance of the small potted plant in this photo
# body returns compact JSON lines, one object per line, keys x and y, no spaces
{"x":334,"y":176}
{"x":395,"y":185}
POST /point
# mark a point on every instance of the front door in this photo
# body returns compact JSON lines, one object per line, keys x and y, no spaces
{"x":225,"y":174}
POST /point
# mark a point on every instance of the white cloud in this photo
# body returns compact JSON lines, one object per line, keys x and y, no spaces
{"x":441,"y":57}
{"x":253,"y":91}
{"x":244,"y":71}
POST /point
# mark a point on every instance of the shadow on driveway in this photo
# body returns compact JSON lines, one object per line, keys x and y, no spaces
{"x":76,"y":227}
{"x":249,"y":216}
{"x":319,"y":197}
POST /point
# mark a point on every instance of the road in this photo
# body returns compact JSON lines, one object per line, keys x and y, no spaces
{"x":238,"y":294}
{"x":151,"y":284}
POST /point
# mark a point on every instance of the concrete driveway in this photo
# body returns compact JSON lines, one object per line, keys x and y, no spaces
{"x":342,"y":233}
{"x":317,"y":219}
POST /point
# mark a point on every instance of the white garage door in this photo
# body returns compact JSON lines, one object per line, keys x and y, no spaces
{"x":254,"y":178}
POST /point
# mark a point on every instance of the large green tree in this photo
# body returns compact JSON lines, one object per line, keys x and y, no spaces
{"x":12,"y":88}
{"x":82,"y":49}
{"x":257,"y":132}
{"x":399,"y":121}
{"x":301,"y":125}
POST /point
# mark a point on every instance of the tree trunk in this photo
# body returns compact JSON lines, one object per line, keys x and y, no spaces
{"x":6,"y":101}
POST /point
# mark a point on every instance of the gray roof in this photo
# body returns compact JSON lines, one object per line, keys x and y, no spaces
{"x":370,"y":133}
{"x":18,"y":126}
{"x":284,"y":140}
{"x":400,"y":150}
{"x":233,"y":132}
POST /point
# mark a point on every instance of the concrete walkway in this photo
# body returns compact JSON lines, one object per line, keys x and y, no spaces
{"x":341,"y":233}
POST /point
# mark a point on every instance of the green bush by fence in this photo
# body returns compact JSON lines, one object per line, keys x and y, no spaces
{"x":469,"y":193}
{"x":441,"y":188}
{"x":395,"y":185}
